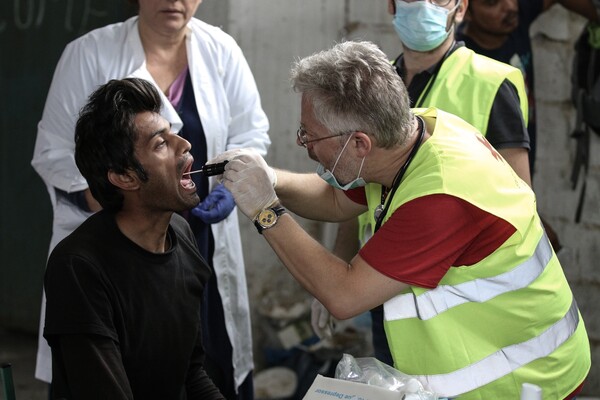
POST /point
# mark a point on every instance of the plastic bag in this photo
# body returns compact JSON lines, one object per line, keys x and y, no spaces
{"x":373,"y":372}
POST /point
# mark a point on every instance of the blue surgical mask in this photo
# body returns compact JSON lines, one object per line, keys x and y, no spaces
{"x":328,"y":177}
{"x":421,"y":25}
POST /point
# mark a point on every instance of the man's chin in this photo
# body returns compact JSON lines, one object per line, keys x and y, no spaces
{"x":191,"y":202}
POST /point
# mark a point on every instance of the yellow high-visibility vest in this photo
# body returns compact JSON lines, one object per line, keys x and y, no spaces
{"x":511,"y":318}
{"x":466,"y":85}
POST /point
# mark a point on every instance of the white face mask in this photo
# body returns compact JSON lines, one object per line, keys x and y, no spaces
{"x":421,"y":25}
{"x":328,"y":176}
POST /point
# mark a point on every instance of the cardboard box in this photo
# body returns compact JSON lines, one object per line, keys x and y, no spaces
{"x":329,"y":389}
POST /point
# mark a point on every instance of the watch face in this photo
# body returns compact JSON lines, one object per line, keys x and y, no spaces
{"x":267,"y":218}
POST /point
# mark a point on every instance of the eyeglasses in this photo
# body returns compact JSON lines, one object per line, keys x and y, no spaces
{"x":304,"y":141}
{"x":439,"y":3}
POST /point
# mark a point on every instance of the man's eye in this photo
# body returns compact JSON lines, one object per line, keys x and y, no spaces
{"x":162,"y":143}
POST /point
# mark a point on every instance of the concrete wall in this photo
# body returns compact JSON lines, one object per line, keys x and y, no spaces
{"x":553,"y":37}
{"x":273,"y":33}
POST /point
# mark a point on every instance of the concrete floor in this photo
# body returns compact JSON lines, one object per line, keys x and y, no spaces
{"x":19,"y":350}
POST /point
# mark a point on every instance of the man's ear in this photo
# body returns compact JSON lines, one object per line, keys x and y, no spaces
{"x":362,"y":143}
{"x":461,"y":12}
{"x":126,"y":181}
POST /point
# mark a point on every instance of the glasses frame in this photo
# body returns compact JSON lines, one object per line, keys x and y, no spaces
{"x":304,"y":141}
{"x":437,"y":3}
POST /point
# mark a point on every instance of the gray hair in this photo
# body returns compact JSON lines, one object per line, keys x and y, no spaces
{"x":354,"y":87}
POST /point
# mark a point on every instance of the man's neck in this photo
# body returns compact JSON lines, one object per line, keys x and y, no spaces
{"x":389,"y":161}
{"x":416,"y":62}
{"x":147,"y":230}
{"x":485,"y":40}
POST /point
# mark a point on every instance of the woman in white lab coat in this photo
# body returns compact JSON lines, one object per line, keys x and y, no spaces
{"x":190,"y":62}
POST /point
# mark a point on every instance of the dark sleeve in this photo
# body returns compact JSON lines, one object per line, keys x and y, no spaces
{"x":75,"y":198}
{"x":529,"y":10}
{"x":88,"y":367}
{"x":506,"y":126}
{"x":77,"y":298}
{"x":198,"y":384}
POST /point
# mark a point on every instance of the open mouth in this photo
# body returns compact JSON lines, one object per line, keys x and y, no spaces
{"x":186,"y":180}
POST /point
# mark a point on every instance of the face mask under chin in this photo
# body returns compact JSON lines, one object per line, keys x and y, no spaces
{"x":328,"y":176}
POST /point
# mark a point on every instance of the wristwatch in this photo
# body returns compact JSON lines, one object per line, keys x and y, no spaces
{"x":268,"y":217}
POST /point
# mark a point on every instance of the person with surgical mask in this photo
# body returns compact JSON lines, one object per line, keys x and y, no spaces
{"x":440,"y":72}
{"x":475,"y":299}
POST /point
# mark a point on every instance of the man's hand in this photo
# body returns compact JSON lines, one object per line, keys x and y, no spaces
{"x":216,"y":206}
{"x":249,"y":179}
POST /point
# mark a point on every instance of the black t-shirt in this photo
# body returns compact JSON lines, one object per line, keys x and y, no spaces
{"x":127,"y":312}
{"x":517,"y":52}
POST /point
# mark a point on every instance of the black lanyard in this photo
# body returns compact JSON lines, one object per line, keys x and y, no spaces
{"x":398,"y":178}
{"x":431,"y":81}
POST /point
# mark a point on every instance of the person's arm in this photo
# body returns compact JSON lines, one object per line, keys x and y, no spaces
{"x":304,"y":194}
{"x":347,"y":241}
{"x":53,"y":158}
{"x":311,"y":197}
{"x":506,"y":130}
{"x":345,"y":289}
{"x":585,"y":8}
{"x":88,"y":367}
{"x":518,"y":159}
{"x":83,"y":199}
{"x":417,"y":245}
{"x":198,"y":384}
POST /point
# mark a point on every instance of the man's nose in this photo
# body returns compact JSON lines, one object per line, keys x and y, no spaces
{"x":183,"y":144}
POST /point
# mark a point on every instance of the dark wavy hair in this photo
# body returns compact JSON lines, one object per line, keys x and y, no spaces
{"x":105,"y":135}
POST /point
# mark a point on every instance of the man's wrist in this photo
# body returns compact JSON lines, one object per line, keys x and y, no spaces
{"x":268,"y":217}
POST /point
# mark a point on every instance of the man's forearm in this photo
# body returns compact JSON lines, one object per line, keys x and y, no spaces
{"x":82,"y":354}
{"x":310,"y":197}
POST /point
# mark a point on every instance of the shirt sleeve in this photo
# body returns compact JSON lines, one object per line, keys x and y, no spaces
{"x":199,"y":386}
{"x":249,"y":123}
{"x":425,"y":237}
{"x":103,"y":377}
{"x":357,"y":195}
{"x":77,"y":299}
{"x":506,"y":126}
{"x":74,"y":78}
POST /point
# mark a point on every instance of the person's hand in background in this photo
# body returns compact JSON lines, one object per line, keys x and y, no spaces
{"x":321,"y":320}
{"x":216,"y":206}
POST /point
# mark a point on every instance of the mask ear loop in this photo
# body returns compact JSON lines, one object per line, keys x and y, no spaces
{"x":340,"y":155}
{"x":361,"y":167}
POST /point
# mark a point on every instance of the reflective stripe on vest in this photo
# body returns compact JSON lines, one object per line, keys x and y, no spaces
{"x":505,"y":360}
{"x":434,"y":302}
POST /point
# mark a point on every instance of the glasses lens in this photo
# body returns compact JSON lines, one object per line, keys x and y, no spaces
{"x":441,"y":3}
{"x":301,"y":134}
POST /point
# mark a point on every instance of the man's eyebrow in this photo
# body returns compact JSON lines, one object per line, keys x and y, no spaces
{"x":158,"y":133}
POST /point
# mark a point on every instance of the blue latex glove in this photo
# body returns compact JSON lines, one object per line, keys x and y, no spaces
{"x":216,"y":206}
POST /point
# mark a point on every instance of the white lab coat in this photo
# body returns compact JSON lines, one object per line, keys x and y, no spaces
{"x":231,"y":115}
